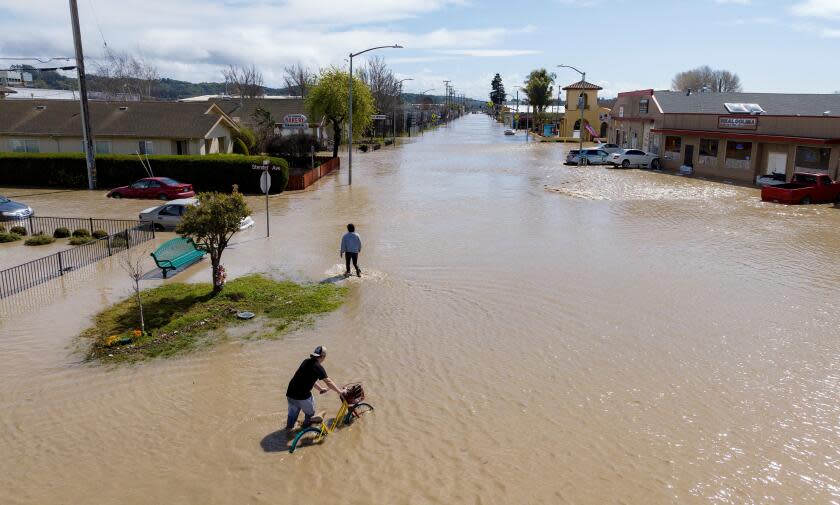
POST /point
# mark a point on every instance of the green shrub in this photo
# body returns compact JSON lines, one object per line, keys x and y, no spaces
{"x":81,"y":232}
{"x":18,"y":230}
{"x":118,"y":241}
{"x":248,"y":138}
{"x":2,"y":229}
{"x":100,"y":234}
{"x":81,"y":240}
{"x":39,"y":240}
{"x":215,"y":172}
{"x":8,"y":237}
{"x":239,"y":147}
{"x":61,"y":233}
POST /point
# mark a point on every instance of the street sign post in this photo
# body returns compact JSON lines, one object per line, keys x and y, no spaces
{"x":265,"y":185}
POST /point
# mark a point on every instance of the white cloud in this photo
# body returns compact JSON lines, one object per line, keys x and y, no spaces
{"x":818,"y":9}
{"x":194,"y":39}
{"x":490,"y":53}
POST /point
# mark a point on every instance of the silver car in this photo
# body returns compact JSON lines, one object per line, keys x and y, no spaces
{"x":168,"y":215}
{"x":593,"y":156}
{"x":11,"y":210}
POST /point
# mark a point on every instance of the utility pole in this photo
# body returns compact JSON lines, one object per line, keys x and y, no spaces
{"x":87,"y":138}
{"x":446,"y":99}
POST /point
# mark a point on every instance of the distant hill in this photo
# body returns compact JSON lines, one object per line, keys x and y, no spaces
{"x":166,"y":89}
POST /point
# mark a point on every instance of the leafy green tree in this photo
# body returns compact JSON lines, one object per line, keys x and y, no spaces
{"x":211,"y":224}
{"x":497,"y":95}
{"x":539,"y":89}
{"x":329,"y":99}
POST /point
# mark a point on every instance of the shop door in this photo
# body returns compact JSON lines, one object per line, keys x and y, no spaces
{"x":688,"y":159}
{"x":776,"y":163}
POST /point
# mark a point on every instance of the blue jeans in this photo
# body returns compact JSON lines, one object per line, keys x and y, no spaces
{"x":295,"y":406}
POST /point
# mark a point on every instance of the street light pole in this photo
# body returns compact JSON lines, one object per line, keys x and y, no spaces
{"x":399,"y":102}
{"x":581,"y":102}
{"x":350,"y":111}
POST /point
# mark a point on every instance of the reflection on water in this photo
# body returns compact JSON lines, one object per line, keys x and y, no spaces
{"x":529,"y":333}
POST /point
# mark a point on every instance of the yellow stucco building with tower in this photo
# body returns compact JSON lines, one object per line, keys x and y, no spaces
{"x":582,"y":96}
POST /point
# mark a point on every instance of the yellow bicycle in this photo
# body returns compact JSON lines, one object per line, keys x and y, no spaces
{"x":352,"y":407}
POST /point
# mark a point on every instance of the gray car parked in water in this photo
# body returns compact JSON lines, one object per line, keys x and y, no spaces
{"x":593,"y":156}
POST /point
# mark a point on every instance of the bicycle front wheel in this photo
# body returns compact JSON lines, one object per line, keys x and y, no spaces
{"x":357,"y":411}
{"x":306,"y":437}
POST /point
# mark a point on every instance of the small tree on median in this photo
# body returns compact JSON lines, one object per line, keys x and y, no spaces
{"x":132,"y":263}
{"x":211,"y":224}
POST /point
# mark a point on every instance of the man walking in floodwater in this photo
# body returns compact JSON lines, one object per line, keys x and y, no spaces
{"x":351,"y":246}
{"x":299,"y":392}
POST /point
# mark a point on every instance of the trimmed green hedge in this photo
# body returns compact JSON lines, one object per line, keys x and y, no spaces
{"x":214,"y":172}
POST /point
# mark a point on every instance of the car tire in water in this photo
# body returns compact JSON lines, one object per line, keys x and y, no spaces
{"x":654,"y":165}
{"x":159,"y":227}
{"x":625,"y":163}
{"x":162,"y":197}
{"x":116,"y":195}
{"x":806,"y":201}
{"x":305,"y":437}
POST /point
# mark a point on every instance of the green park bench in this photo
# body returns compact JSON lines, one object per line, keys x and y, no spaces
{"x":176,"y":253}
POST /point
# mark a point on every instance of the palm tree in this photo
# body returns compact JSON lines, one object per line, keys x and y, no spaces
{"x":539,"y":89}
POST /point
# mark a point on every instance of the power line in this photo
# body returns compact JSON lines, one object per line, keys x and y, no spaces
{"x":33,"y":69}
{"x":39,"y":60}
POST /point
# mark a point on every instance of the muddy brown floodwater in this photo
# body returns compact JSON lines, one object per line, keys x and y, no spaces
{"x":528,"y":332}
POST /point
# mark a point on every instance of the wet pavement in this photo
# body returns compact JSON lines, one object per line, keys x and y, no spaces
{"x":528,"y":333}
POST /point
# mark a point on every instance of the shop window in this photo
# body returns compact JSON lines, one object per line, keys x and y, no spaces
{"x":654,"y":144}
{"x":146,"y":147}
{"x":709,"y":147}
{"x":812,"y":159}
{"x":643,"y":105}
{"x":673,"y":144}
{"x":738,"y":155}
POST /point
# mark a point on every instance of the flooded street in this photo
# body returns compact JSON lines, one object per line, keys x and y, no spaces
{"x":528,"y":333}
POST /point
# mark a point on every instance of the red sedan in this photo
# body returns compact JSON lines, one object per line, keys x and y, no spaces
{"x":162,"y":188}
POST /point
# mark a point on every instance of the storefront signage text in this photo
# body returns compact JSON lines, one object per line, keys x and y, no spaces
{"x":294,"y":121}
{"x":737,"y":123}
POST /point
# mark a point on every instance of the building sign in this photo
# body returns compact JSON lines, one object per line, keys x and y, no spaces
{"x":737,"y":123}
{"x":295,"y":121}
{"x":378,"y":116}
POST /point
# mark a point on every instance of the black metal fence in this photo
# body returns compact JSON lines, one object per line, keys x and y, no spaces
{"x":47,"y":225}
{"x":21,"y":277}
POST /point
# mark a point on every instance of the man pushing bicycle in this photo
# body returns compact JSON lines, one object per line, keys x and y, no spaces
{"x":299,"y":392}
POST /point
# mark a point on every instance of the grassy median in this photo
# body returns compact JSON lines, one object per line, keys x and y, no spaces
{"x":182,"y":317}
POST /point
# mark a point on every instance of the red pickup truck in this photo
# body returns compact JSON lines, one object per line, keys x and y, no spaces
{"x":804,"y":188}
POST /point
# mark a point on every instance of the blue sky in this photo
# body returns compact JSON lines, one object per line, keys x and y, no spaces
{"x":774,"y":46}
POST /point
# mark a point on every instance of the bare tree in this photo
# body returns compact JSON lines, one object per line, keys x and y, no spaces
{"x":247,"y":82}
{"x":299,"y":79}
{"x":120,"y":73}
{"x":705,"y":78}
{"x":132,"y":263}
{"x":383,"y":85}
